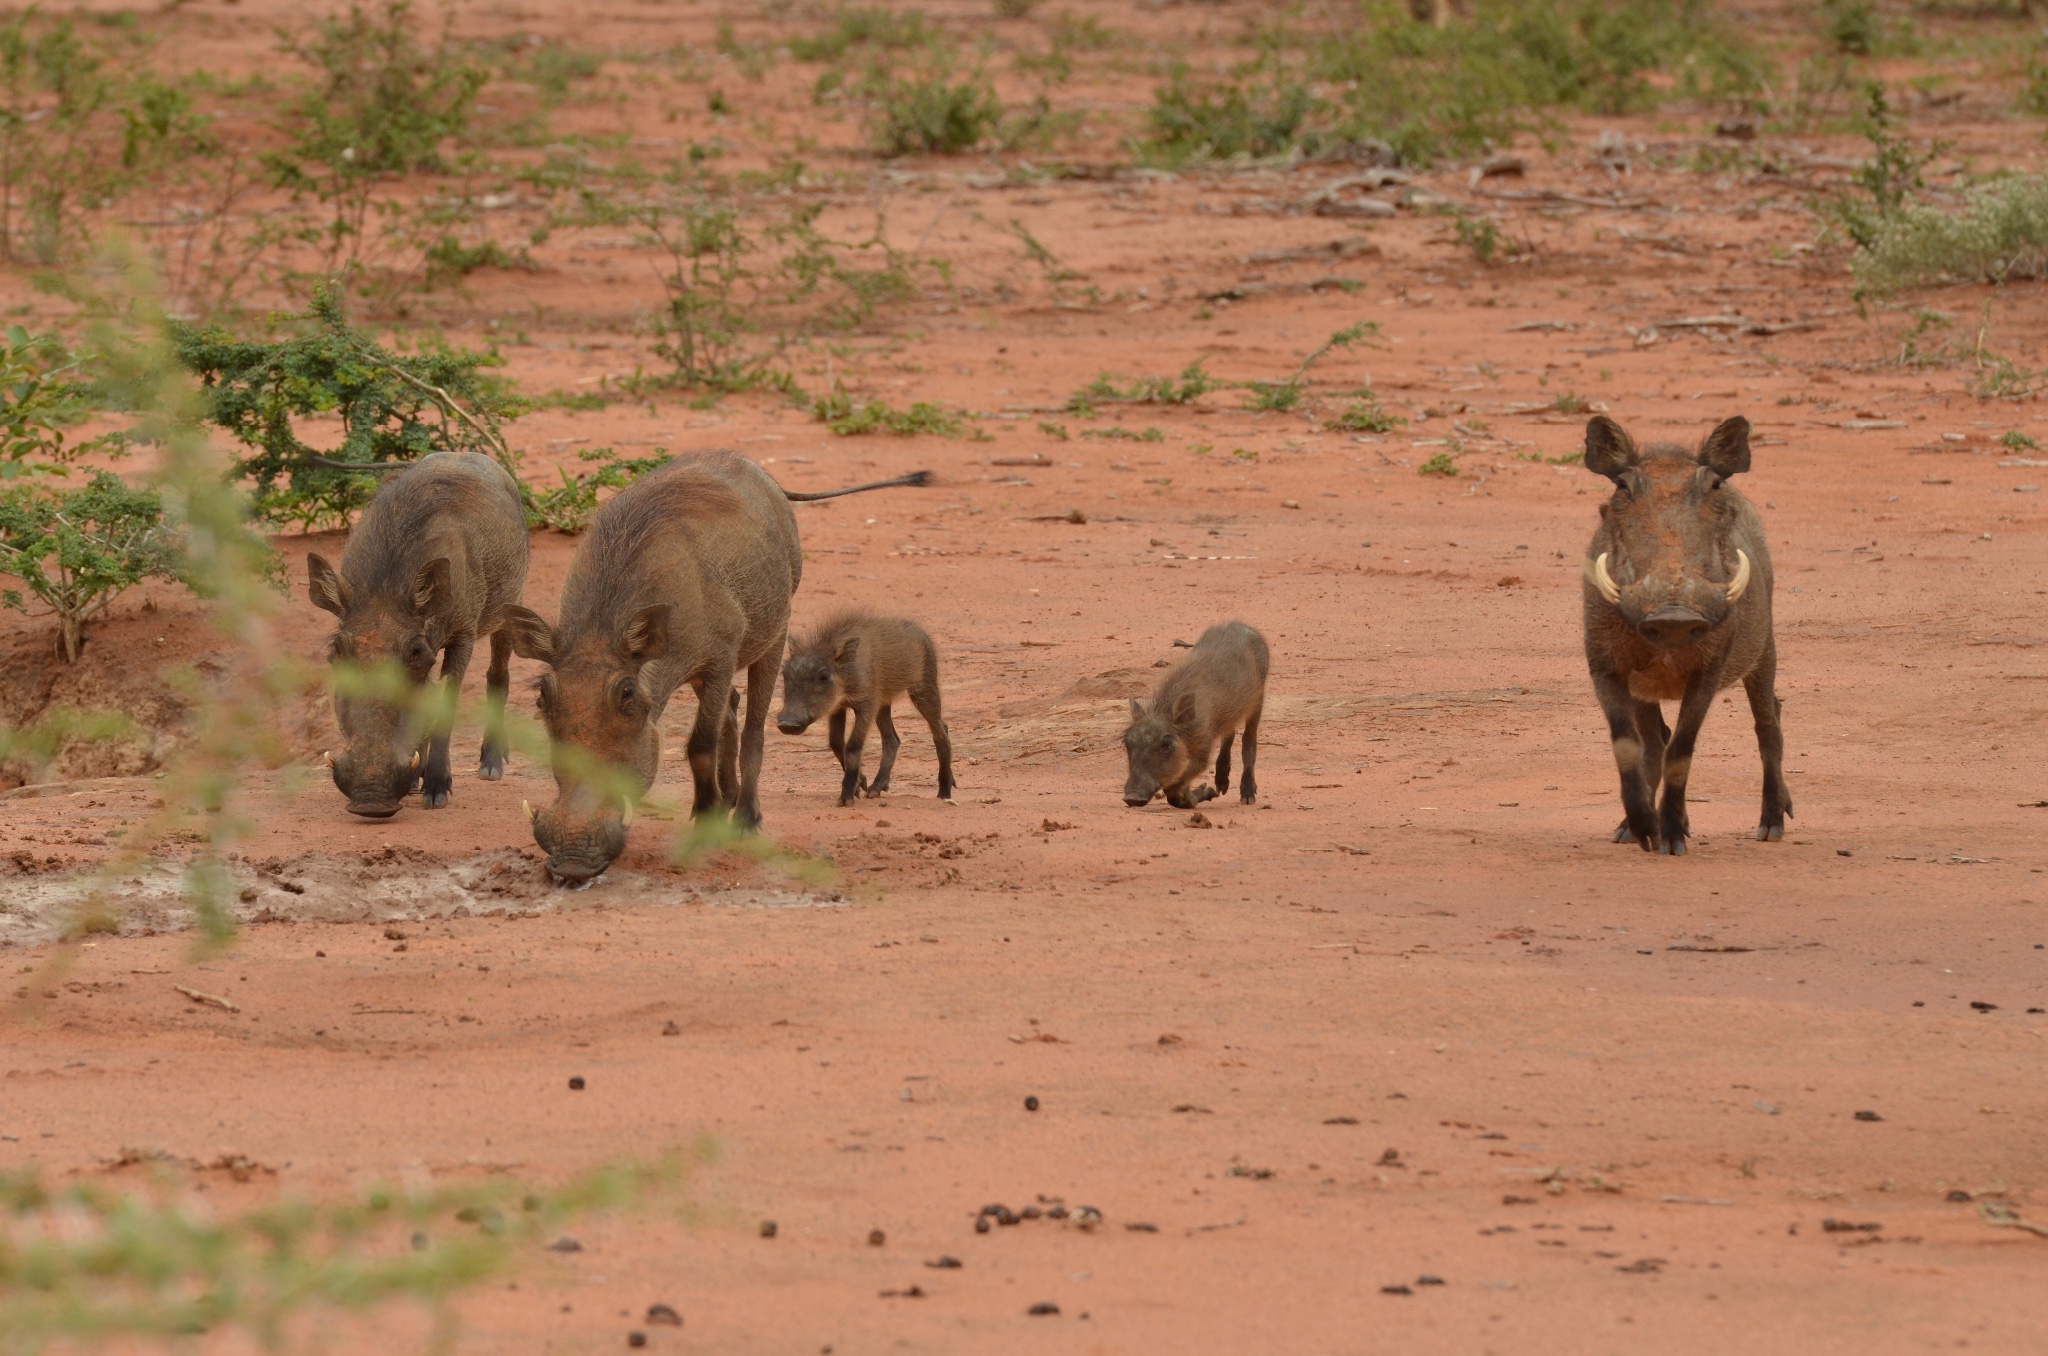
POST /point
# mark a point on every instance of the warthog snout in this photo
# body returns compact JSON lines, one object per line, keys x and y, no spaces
{"x":790,"y":725}
{"x":1672,"y":625}
{"x":375,"y":785}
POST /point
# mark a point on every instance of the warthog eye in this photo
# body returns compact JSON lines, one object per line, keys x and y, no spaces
{"x":624,"y":696}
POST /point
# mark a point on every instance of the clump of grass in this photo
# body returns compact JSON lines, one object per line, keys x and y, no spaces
{"x":1118,"y":433}
{"x":1439,"y":464}
{"x":1999,"y":235}
{"x":1366,"y":415}
{"x":1286,"y":395}
{"x":1193,"y":382}
{"x":850,"y":418}
{"x":1194,"y":119}
{"x":929,"y":107}
{"x":1483,"y":237}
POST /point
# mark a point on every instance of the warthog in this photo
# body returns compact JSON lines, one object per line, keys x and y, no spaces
{"x":862,"y":663}
{"x":1218,"y":689}
{"x":684,"y":577}
{"x":1678,"y":607}
{"x":433,"y":564}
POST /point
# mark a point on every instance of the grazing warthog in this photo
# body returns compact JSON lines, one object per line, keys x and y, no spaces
{"x":433,"y":564}
{"x":684,"y":577}
{"x":862,"y":663}
{"x":1218,"y":688}
{"x":1678,"y":607}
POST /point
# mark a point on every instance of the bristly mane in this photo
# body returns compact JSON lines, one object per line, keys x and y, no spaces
{"x":390,"y":540}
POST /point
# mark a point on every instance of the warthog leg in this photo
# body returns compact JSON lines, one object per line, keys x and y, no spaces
{"x":754,"y":735}
{"x":1638,"y":801}
{"x":714,"y":703}
{"x":1762,"y":686}
{"x":1654,"y":734}
{"x":497,"y":683}
{"x":891,"y":741}
{"x":436,"y":780}
{"x":856,"y":741}
{"x":1223,"y":763}
{"x":729,"y":753}
{"x":1674,"y":824}
{"x":1248,"y":781}
{"x":927,"y":704}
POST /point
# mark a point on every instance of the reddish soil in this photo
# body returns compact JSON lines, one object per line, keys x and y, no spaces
{"x":1413,"y":1015}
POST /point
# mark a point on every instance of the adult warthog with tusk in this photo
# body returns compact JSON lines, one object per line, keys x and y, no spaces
{"x":430,"y":569}
{"x":685,"y":577}
{"x":1678,"y":607}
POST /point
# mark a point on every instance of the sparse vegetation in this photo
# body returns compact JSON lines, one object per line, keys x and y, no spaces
{"x":77,"y":550}
{"x":567,"y":507}
{"x":850,"y":418}
{"x":2000,"y":234}
{"x":1365,"y":415}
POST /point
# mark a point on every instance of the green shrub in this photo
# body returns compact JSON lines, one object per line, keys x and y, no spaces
{"x":44,"y":390}
{"x":1439,"y":464}
{"x":1191,"y":119}
{"x":567,"y":507}
{"x":393,"y":409}
{"x":1886,"y":183}
{"x":926,"y":107}
{"x":76,"y":550}
{"x":862,"y":27}
{"x":1194,"y":381}
{"x":2000,"y":234}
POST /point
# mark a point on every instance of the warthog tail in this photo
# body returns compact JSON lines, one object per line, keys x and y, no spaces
{"x":914,"y":478}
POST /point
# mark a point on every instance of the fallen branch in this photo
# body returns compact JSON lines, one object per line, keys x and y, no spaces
{"x":212,"y":998}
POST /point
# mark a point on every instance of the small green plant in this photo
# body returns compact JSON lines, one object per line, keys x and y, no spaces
{"x":861,"y":27}
{"x":1853,"y":27}
{"x":1913,"y":350}
{"x":1365,"y":415}
{"x":1889,"y":181}
{"x":1567,"y":403}
{"x":2018,"y":441}
{"x":1483,"y":237}
{"x":1439,"y":464}
{"x":449,"y":260}
{"x":1193,"y":382}
{"x":1286,"y":395}
{"x":393,"y":409}
{"x":1118,"y":433}
{"x":926,"y":107}
{"x":76,"y":550}
{"x":849,"y":418}
{"x":567,"y":507}
{"x":1052,"y":430}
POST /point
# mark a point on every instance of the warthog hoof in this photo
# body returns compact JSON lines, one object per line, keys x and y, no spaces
{"x":492,"y":768}
{"x":434,"y":800}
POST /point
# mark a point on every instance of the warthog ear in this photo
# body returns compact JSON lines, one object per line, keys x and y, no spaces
{"x":848,"y":648}
{"x":646,"y":636}
{"x":1609,"y":449}
{"x":1726,"y":450}
{"x":531,"y":637}
{"x":1137,"y":710}
{"x":329,"y":590}
{"x":433,"y":587}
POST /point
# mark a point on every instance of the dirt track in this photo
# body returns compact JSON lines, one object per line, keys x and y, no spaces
{"x":1412,"y":1015}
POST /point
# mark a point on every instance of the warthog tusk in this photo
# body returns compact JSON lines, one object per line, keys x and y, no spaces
{"x":415,"y":764}
{"x":1739,"y":585}
{"x":326,"y":758}
{"x":531,"y":813}
{"x":1603,"y":581}
{"x":625,"y":816}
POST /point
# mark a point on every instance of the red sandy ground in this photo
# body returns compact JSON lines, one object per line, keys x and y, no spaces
{"x":1320,"y":1045}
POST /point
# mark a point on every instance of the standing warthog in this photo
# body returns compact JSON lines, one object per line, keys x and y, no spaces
{"x":1218,"y":688}
{"x":862,"y":663}
{"x":1678,"y":607}
{"x":684,"y":577}
{"x":433,"y":564}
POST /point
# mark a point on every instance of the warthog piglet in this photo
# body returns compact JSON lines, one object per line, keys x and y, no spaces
{"x":1217,"y":690}
{"x":862,"y":663}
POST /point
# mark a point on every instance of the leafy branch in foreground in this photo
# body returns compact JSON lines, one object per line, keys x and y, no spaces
{"x":82,"y":1263}
{"x":393,"y":409}
{"x":43,"y":391}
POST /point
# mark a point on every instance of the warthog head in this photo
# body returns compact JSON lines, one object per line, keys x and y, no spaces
{"x":601,"y":719}
{"x":1156,"y":753}
{"x":1671,"y":569}
{"x":810,"y":684}
{"x":383,"y":634}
